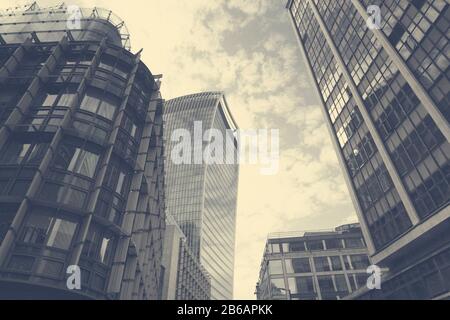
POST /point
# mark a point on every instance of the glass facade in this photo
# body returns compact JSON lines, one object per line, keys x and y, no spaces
{"x":202,"y":196}
{"x":184,"y":276}
{"x":81,"y":160}
{"x":386,"y":97}
{"x":317,"y":272}
{"x":428,"y":279}
{"x":51,"y":25}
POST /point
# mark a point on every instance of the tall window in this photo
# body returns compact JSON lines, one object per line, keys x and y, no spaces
{"x":275,"y":248}
{"x":321,"y":264}
{"x":341,"y":283}
{"x":298,"y":265}
{"x":76,"y":160}
{"x":278,"y":288}
{"x":66,"y":99}
{"x":61,"y":234}
{"x":48,"y":99}
{"x":336,"y":263}
{"x":99,"y":102}
{"x":6,"y":218}
{"x":333,"y":244}
{"x":117,"y":177}
{"x":99,"y":245}
{"x":354,"y":243}
{"x":48,"y":231}
{"x":359,"y":261}
{"x":129,"y":125}
{"x":315,"y":245}
{"x":17,"y":152}
{"x":326,"y":283}
{"x":301,"y":285}
{"x":297,"y":246}
{"x":275,"y":267}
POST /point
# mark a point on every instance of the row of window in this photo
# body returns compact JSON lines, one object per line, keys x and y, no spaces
{"x":304,"y":288}
{"x":316,"y":245}
{"x":322,"y":264}
{"x":49,"y":231}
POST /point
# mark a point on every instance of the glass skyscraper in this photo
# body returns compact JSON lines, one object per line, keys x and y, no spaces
{"x":81,"y":159}
{"x":385,"y":96}
{"x":202,"y":196}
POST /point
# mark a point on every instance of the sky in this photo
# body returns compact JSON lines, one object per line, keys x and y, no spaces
{"x":246,"y":48}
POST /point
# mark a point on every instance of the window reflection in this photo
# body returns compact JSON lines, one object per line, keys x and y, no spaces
{"x":275,"y":267}
{"x":49,"y":231}
{"x":100,"y":103}
{"x":76,"y":160}
{"x":298,"y":265}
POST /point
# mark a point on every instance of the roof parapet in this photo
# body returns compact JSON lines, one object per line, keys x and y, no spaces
{"x":86,"y":13}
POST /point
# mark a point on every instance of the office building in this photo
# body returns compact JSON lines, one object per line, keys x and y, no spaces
{"x":384,"y":91}
{"x":201,"y":195}
{"x":184,"y":278}
{"x":322,"y":265}
{"x":81,"y":159}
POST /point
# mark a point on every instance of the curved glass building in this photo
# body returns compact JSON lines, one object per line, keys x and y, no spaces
{"x":202,"y":195}
{"x":81,"y":159}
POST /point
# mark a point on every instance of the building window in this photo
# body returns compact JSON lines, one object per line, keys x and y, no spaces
{"x":275,"y":267}
{"x":326,"y":284}
{"x":48,"y":99}
{"x":99,"y":102}
{"x":6,"y":218}
{"x":292,"y":284}
{"x":434,"y":284}
{"x":336,"y":263}
{"x":341,"y":283}
{"x":360,"y":261}
{"x":130,"y":126}
{"x":61,"y":234}
{"x":51,"y":268}
{"x":275,"y":248}
{"x":322,"y":264}
{"x":298,"y":265}
{"x":14,"y":153}
{"x":298,"y":246}
{"x":17,"y":152}
{"x":315,"y":245}
{"x":354,"y":243}
{"x":333,"y":244}
{"x":66,"y":99}
{"x":278,"y":288}
{"x":303,"y":285}
{"x":37,"y":153}
{"x":49,"y":231}
{"x":21,"y":263}
{"x":358,"y":280}
{"x":76,"y":160}
{"x":99,"y":245}
{"x":120,"y":182}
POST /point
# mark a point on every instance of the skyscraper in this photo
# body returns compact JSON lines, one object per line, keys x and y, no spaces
{"x":316,"y":265}
{"x":184,"y":277}
{"x":202,"y":195}
{"x":385,"y":95}
{"x":81,"y":159}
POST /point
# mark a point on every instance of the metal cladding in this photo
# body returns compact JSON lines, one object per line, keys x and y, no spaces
{"x":81,"y":165}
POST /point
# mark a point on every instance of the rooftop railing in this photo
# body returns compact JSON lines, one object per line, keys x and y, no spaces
{"x":86,"y":14}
